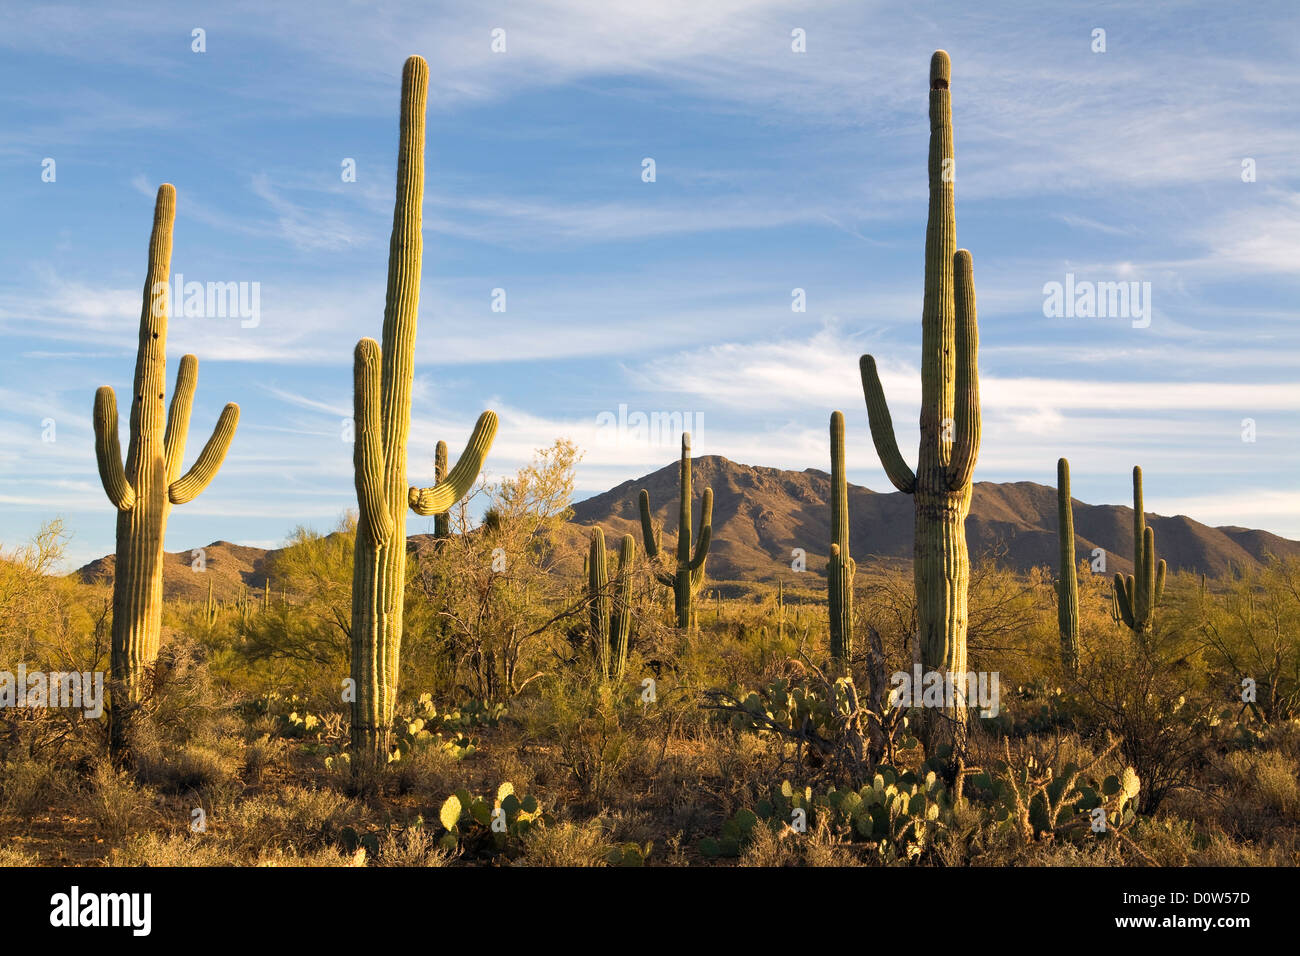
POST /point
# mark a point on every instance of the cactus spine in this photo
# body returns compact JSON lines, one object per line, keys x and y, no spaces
{"x":1139,"y":593}
{"x":689,"y":576}
{"x":441,"y":521}
{"x":382,"y":408}
{"x":1067,"y":589}
{"x":609,"y":610}
{"x":841,"y":570}
{"x":144,"y":490}
{"x":950,"y":412}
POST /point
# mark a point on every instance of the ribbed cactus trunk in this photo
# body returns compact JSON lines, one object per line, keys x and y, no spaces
{"x":598,"y":600}
{"x":950,"y":417}
{"x":150,"y":483}
{"x":841,"y":567}
{"x":1067,"y":588}
{"x":441,"y":522}
{"x":688,"y":577}
{"x":1138,"y":594}
{"x":620,"y":625}
{"x":382,"y":408}
{"x":609,"y":604}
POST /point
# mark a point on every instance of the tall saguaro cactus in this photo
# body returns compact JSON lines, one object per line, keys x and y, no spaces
{"x":841,"y":570}
{"x":688,"y":577}
{"x":1139,"y":593}
{"x":144,"y":490}
{"x":609,"y":611}
{"x":382,"y":408}
{"x":950,"y":412}
{"x":1067,"y":588}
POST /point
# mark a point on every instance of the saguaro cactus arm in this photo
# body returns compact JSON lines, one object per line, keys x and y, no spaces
{"x":706,"y":532}
{"x":108,"y":451}
{"x":651,"y":539}
{"x":190,"y":485}
{"x":178,"y":415}
{"x":966,"y":425}
{"x":882,"y":429}
{"x":368,"y":452}
{"x":442,"y":496}
{"x":1124,"y":598}
{"x":647,"y":526}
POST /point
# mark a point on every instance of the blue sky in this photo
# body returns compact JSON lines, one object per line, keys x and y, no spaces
{"x":775,"y":170}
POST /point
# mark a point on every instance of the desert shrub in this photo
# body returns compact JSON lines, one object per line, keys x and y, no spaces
{"x":31,"y":784}
{"x":11,"y":856}
{"x":1249,"y":630}
{"x":493,"y":598}
{"x":1262,"y":785}
{"x":295,"y":815}
{"x":303,"y":641}
{"x":818,"y":847}
{"x":414,"y":846}
{"x":591,"y":725}
{"x":566,"y":844}
{"x":1150,"y":695}
{"x":425,"y":771}
{"x":116,"y":804}
{"x":260,"y":754}
{"x":206,"y":773}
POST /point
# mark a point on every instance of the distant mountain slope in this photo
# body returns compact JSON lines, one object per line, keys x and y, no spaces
{"x":761,"y":514}
{"x":227,"y":567}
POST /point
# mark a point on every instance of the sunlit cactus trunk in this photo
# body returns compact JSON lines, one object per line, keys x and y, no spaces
{"x":950,"y":416}
{"x":688,"y":577}
{"x":841,"y":568}
{"x":144,"y":490}
{"x":382,"y":409}
{"x":1067,"y":588}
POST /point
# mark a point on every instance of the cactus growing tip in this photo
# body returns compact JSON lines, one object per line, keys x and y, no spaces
{"x":940,"y":70}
